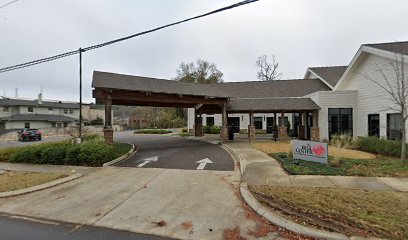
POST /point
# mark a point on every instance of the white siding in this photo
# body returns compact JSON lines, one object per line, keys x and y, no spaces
{"x":371,"y":99}
{"x":336,"y":99}
{"x":243,"y":121}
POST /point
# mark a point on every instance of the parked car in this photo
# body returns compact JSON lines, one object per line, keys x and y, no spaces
{"x":29,"y":134}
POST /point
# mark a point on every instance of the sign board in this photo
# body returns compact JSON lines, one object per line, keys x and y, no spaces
{"x":310,"y":151}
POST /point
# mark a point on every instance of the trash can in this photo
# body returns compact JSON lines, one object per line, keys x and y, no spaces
{"x":231,"y":133}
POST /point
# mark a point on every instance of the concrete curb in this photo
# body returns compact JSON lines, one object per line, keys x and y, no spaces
{"x":40,"y":187}
{"x":273,"y":217}
{"x":131,"y":152}
{"x":283,"y":222}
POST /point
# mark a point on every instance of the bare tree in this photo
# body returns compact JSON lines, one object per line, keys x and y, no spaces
{"x":397,"y":88}
{"x":268,"y":71}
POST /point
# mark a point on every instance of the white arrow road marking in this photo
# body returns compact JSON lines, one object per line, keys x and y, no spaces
{"x":202,"y":163}
{"x":147,"y":160}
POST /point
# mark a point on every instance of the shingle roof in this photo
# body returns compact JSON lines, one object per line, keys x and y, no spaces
{"x":34,"y":103}
{"x":330,"y":74}
{"x":39,"y":117}
{"x":253,"y":89}
{"x":145,"y":84}
{"x":272,"y":104}
{"x":395,"y":47}
{"x":273,"y":89}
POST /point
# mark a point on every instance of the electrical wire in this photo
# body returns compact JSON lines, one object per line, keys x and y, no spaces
{"x":70,"y":53}
{"x":9,"y":3}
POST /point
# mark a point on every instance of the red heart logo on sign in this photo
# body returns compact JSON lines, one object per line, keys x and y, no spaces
{"x":319,"y":150}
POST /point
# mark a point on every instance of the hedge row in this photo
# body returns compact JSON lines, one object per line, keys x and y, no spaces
{"x":152,"y":131}
{"x":87,"y":154}
{"x":378,"y":145}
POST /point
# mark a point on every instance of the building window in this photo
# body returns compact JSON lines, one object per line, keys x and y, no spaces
{"x":6,"y":109}
{"x":26,"y":125}
{"x":210,"y":121}
{"x":50,"y":109}
{"x":65,"y":124}
{"x":30,"y":109}
{"x":258,"y":122}
{"x":71,"y":111}
{"x":66,"y":111}
{"x":286,"y":119}
{"x":394,"y":126}
{"x":59,"y":125}
{"x":53,"y":124}
{"x":374,"y":125}
{"x":340,"y":121}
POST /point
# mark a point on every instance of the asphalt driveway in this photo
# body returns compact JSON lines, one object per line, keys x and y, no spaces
{"x":173,"y":152}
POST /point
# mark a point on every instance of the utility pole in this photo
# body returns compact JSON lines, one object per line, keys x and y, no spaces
{"x":80,"y":95}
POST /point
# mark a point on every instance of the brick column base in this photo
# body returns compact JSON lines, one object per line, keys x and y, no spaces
{"x":315,"y":134}
{"x":198,"y":131}
{"x":224,"y":134}
{"x":108,"y":134}
{"x":283,"y":134}
{"x":251,"y":133}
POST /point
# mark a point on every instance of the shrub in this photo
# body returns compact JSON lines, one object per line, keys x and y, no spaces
{"x":207,"y":129}
{"x":378,"y":145}
{"x":5,"y":153}
{"x":30,"y":154}
{"x":95,"y":155}
{"x":152,"y":131}
{"x":71,"y":155}
{"x":342,"y":141}
{"x":215,"y":130}
{"x":53,"y":155}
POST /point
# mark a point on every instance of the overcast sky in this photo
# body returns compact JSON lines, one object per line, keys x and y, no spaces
{"x":300,"y":33}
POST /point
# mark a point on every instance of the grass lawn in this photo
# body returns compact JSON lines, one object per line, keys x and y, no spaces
{"x":278,"y":147}
{"x":10,"y":181}
{"x":380,"y":167}
{"x":353,"y":212}
{"x":342,"y":162}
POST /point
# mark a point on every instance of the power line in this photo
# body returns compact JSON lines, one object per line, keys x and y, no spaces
{"x":70,"y":53}
{"x":9,"y":3}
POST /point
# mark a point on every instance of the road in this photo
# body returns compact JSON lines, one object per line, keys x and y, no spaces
{"x":23,"y":144}
{"x":16,"y":228}
{"x":177,"y":203}
{"x":175,"y":152}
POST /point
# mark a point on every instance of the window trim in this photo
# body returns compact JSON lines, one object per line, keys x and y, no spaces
{"x":32,"y":109}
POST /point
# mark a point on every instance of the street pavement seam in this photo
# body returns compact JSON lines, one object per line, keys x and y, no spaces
{"x":127,"y":198}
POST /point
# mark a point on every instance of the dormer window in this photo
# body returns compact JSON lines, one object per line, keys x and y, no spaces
{"x":50,"y":109}
{"x":6,"y":109}
{"x":65,"y":111}
{"x":30,"y":109}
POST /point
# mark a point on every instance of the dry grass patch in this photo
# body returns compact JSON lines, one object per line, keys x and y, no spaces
{"x":354,"y":212}
{"x":277,"y":147}
{"x":11,"y":180}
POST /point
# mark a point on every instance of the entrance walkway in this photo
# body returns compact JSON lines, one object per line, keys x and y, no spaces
{"x":260,"y":169}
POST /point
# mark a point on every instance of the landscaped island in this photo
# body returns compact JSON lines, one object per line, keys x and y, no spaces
{"x":92,"y":152}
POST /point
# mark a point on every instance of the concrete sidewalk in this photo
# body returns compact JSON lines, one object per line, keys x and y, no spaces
{"x":260,"y":169}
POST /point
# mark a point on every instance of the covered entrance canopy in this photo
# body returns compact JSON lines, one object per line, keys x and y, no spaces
{"x":234,"y":97}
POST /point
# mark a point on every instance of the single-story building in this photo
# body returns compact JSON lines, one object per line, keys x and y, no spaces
{"x":327,"y":101}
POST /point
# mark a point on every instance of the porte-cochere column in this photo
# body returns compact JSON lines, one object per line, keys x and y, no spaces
{"x":283,"y":131}
{"x":251,"y":127}
{"x":224,"y":127}
{"x":314,"y":131}
{"x":198,"y":124}
{"x":108,"y":130}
